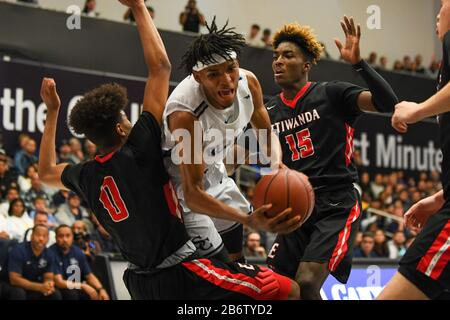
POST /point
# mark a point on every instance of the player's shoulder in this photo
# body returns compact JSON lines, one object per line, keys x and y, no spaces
{"x":187,"y":95}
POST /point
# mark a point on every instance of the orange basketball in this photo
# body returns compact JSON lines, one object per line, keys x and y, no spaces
{"x":285,"y":189}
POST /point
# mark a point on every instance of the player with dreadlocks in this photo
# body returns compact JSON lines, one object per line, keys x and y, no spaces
{"x":216,"y":102}
{"x":315,"y":125}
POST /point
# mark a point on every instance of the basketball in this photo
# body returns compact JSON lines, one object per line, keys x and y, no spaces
{"x":286,"y":189}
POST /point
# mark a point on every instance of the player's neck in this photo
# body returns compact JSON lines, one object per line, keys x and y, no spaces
{"x":290,"y":92}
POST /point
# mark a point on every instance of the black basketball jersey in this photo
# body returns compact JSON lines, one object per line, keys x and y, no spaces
{"x":130,"y":193}
{"x":316,"y":131}
{"x":444,"y":119}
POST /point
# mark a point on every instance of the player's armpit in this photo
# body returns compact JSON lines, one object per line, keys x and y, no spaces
{"x":52,"y":177}
{"x":365,"y":102}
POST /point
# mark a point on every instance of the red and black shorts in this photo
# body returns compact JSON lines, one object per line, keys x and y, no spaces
{"x":208,"y":279}
{"x":327,"y":237}
{"x":426,"y":263}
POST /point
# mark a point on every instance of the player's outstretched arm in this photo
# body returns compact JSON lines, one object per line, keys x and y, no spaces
{"x":49,"y":171}
{"x":380,"y":97}
{"x":159,"y":67}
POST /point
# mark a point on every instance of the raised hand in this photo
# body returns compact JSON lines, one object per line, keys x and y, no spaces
{"x":350,"y":52}
{"x":132,"y":3}
{"x":49,"y":94}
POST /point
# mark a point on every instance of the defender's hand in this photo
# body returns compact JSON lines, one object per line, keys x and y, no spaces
{"x":416,"y":217}
{"x":350,"y":52}
{"x":132,"y":3}
{"x":405,"y":113}
{"x":49,"y":94}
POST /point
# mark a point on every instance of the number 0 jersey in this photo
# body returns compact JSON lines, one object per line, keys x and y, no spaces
{"x":316,"y":131}
{"x":130,"y":194}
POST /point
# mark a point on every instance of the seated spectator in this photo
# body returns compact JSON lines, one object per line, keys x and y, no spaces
{"x":266,"y":40}
{"x":30,"y":269}
{"x":71,"y":211}
{"x":365,"y":250}
{"x":11,"y":195}
{"x":76,"y":150}
{"x":397,"y":246}
{"x":407,"y":64}
{"x":381,"y":248}
{"x":398,"y":66}
{"x":38,"y":189}
{"x":418,"y":64}
{"x":325,"y":53}
{"x":40,"y":204}
{"x":191,"y":19}
{"x":103,"y":238}
{"x":18,"y":221}
{"x":377,"y":186}
{"x":128,"y":15}
{"x":24,"y":181}
{"x":253,"y":246}
{"x":60,"y":198}
{"x":65,"y":154}
{"x":252,"y":38}
{"x":65,"y":256}
{"x":372,"y":59}
{"x":89,"y":8}
{"x":26,"y":156}
{"x":383,"y":63}
{"x":41,"y":218}
{"x":4,"y":235}
{"x":82,"y":239}
{"x":8,"y":177}
{"x":90,"y":150}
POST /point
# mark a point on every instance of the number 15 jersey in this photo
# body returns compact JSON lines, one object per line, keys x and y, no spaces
{"x":316,"y":131}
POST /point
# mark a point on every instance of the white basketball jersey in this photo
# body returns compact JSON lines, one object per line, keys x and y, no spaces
{"x":220,"y":130}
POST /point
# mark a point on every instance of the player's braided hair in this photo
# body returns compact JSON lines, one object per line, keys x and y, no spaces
{"x":303,"y":37}
{"x":98,"y":112}
{"x":218,"y":41}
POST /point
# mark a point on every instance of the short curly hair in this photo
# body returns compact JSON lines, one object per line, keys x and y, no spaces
{"x":303,"y":37}
{"x":98,"y":112}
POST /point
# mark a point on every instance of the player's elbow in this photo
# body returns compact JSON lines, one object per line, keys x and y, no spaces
{"x":162,"y":66}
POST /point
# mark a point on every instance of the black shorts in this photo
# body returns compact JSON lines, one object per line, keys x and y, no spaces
{"x":208,"y":279}
{"x":328,"y":236}
{"x":426,"y":262}
{"x":233,"y":239}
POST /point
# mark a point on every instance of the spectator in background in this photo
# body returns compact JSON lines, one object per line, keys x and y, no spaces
{"x":24,"y":181}
{"x":26,"y":156}
{"x":398,"y":66}
{"x":253,"y":246}
{"x":325,"y":53}
{"x":372,"y":60}
{"x":65,"y":256}
{"x":383,"y":63}
{"x":365,"y":250}
{"x":407,"y":63}
{"x":7,"y":176}
{"x":76,"y":150}
{"x":377,"y":186}
{"x":59,"y":198}
{"x":4,"y":234}
{"x":252,"y":38}
{"x":71,"y":211}
{"x":90,"y":150}
{"x":89,"y":8}
{"x":82,"y":239}
{"x":418,"y":64}
{"x":37,"y":190}
{"x":40,"y":204}
{"x":41,"y":218}
{"x":397,"y":246}
{"x":191,"y":19}
{"x":128,"y":15}
{"x":266,"y":38}
{"x":11,"y":195}
{"x":18,"y":221}
{"x":381,"y":248}
{"x":65,"y":153}
{"x":30,"y":269}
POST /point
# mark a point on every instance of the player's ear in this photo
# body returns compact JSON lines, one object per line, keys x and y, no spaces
{"x":196,"y":76}
{"x":307,"y":67}
{"x":121,"y":131}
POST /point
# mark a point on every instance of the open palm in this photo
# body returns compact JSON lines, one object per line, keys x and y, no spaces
{"x":350,"y":52}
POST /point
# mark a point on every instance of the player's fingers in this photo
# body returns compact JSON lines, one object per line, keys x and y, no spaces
{"x":358,"y":32}
{"x":263,"y":208}
{"x":344,"y":28}
{"x":288,"y":226}
{"x":348,"y":25}
{"x":353,"y":27}
{"x":279,"y":218}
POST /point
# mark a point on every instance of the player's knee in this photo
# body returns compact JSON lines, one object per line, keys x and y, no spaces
{"x":310,"y":288}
